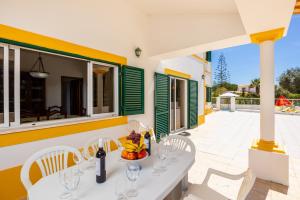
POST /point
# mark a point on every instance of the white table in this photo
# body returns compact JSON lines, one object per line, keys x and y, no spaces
{"x":149,"y":187}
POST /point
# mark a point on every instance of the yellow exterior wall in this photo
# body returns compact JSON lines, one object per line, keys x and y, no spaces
{"x":201,"y":119}
{"x":177,"y":73}
{"x":208,"y":111}
{"x":29,"y":38}
{"x":59,"y":130}
{"x":12,"y":188}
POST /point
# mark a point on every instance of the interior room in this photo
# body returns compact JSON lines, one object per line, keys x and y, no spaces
{"x":178,"y":100}
{"x":103,"y":89}
{"x":60,"y":95}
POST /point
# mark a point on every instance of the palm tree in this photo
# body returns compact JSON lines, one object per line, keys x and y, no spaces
{"x":255,"y":83}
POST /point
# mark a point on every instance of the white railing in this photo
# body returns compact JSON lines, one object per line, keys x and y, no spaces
{"x":248,"y":103}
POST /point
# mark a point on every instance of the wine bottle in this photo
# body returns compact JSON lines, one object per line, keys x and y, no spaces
{"x":147,"y":140}
{"x":100,"y":163}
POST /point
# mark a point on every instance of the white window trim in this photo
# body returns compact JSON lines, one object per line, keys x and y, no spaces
{"x":17,"y":117}
{"x":116,"y":91}
{"x":5,"y":89}
{"x":6,"y":86}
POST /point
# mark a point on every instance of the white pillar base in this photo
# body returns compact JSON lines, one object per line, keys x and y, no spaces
{"x":270,"y":166}
{"x":232,"y":104}
{"x":218,"y":103}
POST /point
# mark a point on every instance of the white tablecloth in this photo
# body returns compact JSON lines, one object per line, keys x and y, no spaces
{"x":149,"y":187}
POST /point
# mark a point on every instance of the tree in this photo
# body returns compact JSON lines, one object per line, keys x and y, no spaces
{"x":255,"y":83}
{"x":220,"y":89}
{"x":221,"y":73}
{"x":290,"y":80}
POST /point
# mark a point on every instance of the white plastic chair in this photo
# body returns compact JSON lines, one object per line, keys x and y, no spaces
{"x":181,"y":143}
{"x":207,"y":193}
{"x":139,"y":127}
{"x":49,"y":160}
{"x":93,"y":144}
{"x":136,"y":126}
{"x":178,"y":142}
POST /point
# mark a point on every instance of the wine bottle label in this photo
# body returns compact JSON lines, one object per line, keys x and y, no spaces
{"x":147,"y":143}
{"x":98,"y":167}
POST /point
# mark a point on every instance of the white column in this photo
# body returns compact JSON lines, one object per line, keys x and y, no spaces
{"x":218,"y":103}
{"x":232,"y":104}
{"x":267,"y":91}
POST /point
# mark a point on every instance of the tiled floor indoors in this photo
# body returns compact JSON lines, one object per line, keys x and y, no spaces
{"x":222,"y":143}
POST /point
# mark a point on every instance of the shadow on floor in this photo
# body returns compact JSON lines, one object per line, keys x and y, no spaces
{"x":261,"y":189}
{"x":258,"y":188}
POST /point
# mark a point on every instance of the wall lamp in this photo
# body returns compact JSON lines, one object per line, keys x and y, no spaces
{"x":138,"y":52}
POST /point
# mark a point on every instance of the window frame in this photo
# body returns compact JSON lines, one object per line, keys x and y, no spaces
{"x":90,"y":90}
{"x":5,"y":69}
{"x":6,"y":125}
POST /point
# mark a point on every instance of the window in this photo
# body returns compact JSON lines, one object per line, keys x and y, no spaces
{"x":61,"y":95}
{"x":73,"y":88}
{"x":105,"y":89}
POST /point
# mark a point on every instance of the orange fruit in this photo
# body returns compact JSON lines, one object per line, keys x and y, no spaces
{"x":132,"y":156}
{"x":142,"y":154}
{"x":124,"y":154}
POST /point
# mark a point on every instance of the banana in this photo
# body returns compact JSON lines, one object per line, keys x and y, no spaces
{"x":131,"y":147}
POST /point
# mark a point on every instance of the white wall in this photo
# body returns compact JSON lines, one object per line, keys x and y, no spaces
{"x":191,"y":66}
{"x":182,"y":31}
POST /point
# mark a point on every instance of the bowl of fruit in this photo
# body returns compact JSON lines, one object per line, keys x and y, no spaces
{"x":134,"y":148}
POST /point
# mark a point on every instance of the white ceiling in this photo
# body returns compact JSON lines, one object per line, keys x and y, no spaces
{"x":158,"y":7}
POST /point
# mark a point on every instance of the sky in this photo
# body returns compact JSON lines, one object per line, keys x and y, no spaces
{"x":243,"y":61}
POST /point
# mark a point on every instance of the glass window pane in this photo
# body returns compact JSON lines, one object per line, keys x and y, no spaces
{"x":103,"y":89}
{"x":61,"y":95}
{"x":11,"y":85}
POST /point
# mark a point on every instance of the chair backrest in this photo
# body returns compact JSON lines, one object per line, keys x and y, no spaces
{"x":49,"y":161}
{"x":247,"y":184}
{"x":181,"y":143}
{"x":93,"y":144}
{"x":136,"y":126}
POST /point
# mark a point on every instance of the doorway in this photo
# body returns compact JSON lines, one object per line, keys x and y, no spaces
{"x":178,"y":104}
{"x":71,"y":95}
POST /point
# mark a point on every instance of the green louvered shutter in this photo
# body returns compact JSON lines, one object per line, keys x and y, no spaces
{"x":208,"y":56}
{"x":161,"y":103}
{"x":208,"y":94}
{"x":132,"y":90}
{"x":193,"y":104}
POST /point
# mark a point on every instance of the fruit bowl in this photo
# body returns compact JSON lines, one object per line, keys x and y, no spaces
{"x":136,"y":160}
{"x":134,"y":148}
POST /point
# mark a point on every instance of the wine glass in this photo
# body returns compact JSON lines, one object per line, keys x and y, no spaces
{"x":66,"y":194}
{"x":155,"y":163}
{"x":89,"y":155}
{"x":173,"y":152}
{"x":70,"y":180}
{"x":78,"y":161}
{"x":162,"y":154}
{"x":132,"y":173}
{"x":120,"y":188}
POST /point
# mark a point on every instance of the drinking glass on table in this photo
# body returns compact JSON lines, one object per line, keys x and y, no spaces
{"x":156,"y":162}
{"x":162,"y":154}
{"x":132,"y":173}
{"x":89,"y":155}
{"x":70,"y":179}
{"x":120,"y":188}
{"x":78,"y":161}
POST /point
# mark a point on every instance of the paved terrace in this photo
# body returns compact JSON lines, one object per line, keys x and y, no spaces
{"x":222,"y":143}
